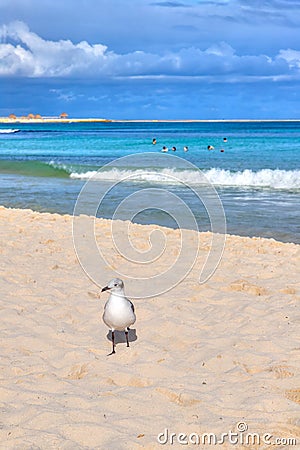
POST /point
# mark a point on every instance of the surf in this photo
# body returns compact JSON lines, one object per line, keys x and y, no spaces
{"x":264,"y":178}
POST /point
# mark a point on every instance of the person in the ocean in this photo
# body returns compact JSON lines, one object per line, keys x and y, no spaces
{"x":224,"y":139}
{"x":153,"y":141}
{"x":210,"y":147}
{"x":174,"y":149}
{"x":185,"y":149}
{"x":165,"y":149}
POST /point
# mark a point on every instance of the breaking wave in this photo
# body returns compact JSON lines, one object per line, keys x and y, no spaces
{"x":265,"y":178}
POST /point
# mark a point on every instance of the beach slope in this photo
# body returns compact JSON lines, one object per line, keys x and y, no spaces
{"x":206,"y":356}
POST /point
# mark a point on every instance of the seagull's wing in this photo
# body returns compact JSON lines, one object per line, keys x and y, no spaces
{"x":132,"y":306}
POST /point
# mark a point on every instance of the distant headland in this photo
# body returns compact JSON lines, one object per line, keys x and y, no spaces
{"x":38,"y":118}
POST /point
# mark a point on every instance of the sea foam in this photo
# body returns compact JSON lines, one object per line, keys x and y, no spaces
{"x":265,"y":178}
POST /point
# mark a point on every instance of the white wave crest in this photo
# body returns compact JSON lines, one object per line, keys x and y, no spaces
{"x":265,"y":178}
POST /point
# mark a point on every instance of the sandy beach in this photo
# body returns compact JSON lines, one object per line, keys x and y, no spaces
{"x":7,"y":120}
{"x":206,"y":357}
{"x":25,"y":120}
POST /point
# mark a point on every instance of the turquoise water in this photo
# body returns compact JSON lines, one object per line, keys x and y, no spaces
{"x":44,"y":167}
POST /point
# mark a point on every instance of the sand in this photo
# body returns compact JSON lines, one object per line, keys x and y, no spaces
{"x":206,"y":356}
{"x":26,"y":120}
{"x":50,"y":120}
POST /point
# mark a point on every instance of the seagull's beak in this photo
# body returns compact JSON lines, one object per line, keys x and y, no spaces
{"x":106,"y":288}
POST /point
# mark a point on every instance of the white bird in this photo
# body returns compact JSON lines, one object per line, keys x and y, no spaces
{"x":118,"y":310}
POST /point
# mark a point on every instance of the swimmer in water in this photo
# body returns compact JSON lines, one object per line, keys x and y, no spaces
{"x":210,"y":147}
{"x":153,"y":141}
{"x":174,"y":149}
{"x":165,"y":149}
{"x":185,"y":149}
{"x":224,"y":139}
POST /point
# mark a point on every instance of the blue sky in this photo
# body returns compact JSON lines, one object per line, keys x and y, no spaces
{"x":151,"y":59}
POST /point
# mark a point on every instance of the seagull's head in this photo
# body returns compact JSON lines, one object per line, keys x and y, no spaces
{"x":115,"y":285}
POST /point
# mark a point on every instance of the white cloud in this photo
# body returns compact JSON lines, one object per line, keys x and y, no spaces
{"x":33,"y":56}
{"x":69,"y":96}
{"x":24,"y":53}
{"x":223,"y":49}
{"x":292,"y":57}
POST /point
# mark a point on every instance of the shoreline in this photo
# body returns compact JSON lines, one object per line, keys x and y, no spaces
{"x":151,"y":225}
{"x":5,"y":120}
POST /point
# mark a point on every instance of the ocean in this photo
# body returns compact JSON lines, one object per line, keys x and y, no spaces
{"x":253,"y":168}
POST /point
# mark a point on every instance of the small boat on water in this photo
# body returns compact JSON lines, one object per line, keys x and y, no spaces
{"x":9,"y":130}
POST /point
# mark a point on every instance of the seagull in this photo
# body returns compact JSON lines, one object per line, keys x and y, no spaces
{"x":118,"y":310}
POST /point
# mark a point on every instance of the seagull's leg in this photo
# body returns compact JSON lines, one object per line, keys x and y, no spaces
{"x":113,"y":343}
{"x":126,"y":334}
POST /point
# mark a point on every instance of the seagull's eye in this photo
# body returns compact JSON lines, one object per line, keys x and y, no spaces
{"x":116,"y":284}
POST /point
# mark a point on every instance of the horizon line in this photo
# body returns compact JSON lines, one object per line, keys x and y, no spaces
{"x":49,"y":119}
